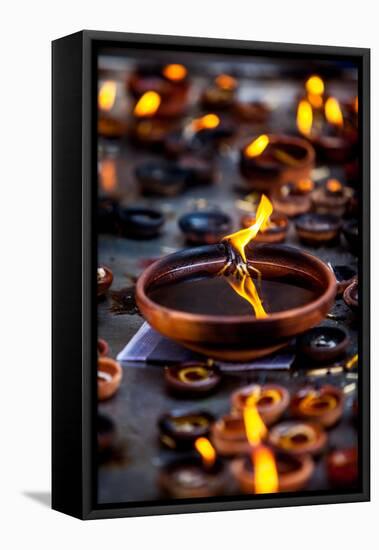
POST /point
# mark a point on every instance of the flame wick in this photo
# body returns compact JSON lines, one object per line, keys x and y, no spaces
{"x":304,"y":118}
{"x":148,"y":104}
{"x":266,"y":478}
{"x":254,"y":425}
{"x":333,"y":112}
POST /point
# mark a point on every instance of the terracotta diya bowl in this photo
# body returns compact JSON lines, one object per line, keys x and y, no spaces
{"x":180,"y":429}
{"x":183,"y":297}
{"x":284,"y":160}
{"x":276,"y":232}
{"x":271,"y":401}
{"x":294,"y":472}
{"x":228,"y":435}
{"x":324,"y":344}
{"x":109,"y":375}
{"x":192,"y":378}
{"x":298,"y":438}
{"x":324,"y":405}
{"x":318,"y":229}
{"x":351,"y":296}
{"x":205,"y":226}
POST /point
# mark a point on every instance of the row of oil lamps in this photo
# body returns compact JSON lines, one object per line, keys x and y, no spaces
{"x":265,"y":454}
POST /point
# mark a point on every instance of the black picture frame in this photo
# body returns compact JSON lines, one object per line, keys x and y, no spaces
{"x":74,"y":263}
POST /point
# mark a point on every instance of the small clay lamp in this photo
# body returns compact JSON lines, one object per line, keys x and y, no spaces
{"x":294,"y":199}
{"x":161,"y":178}
{"x":350,"y":230}
{"x":199,"y":171}
{"x":111,"y":119}
{"x":351,"y":296}
{"x":345,"y":275}
{"x":106,"y":434}
{"x":324,"y":344}
{"x":104,"y":280}
{"x":205,"y":226}
{"x":102,"y":347}
{"x":194,"y":477}
{"x":332,"y":198}
{"x":318,"y":229}
{"x":109,"y":375}
{"x":294,"y":472}
{"x":251,"y":111}
{"x":271,"y":161}
{"x":192,"y":378}
{"x":275,"y":232}
{"x":324,"y":405}
{"x":228,"y":435}
{"x":179,"y":430}
{"x":107,"y":215}
{"x":140,"y":222}
{"x":271,"y":401}
{"x":342,"y":467}
{"x":221,"y":94}
{"x":298,"y":438}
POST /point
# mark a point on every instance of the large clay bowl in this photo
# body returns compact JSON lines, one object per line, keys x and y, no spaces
{"x":237,"y":337}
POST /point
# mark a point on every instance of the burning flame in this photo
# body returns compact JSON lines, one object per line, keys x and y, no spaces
{"x":206,"y":451}
{"x":304,"y":117}
{"x":333,"y":112}
{"x":265,"y":472}
{"x":241,"y":239}
{"x":315,"y":85}
{"x":304,"y":186}
{"x":206,"y":122}
{"x":226,"y":82}
{"x":256,"y":147}
{"x":175,"y":72}
{"x":246,"y":288}
{"x":107,"y":95}
{"x":108,"y":174}
{"x":333,"y":185}
{"x":356,"y":104}
{"x":148,"y":104}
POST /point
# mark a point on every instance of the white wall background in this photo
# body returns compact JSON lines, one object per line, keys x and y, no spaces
{"x":27,"y":29}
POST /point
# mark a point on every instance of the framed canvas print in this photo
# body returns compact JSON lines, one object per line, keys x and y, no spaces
{"x":210,"y":274}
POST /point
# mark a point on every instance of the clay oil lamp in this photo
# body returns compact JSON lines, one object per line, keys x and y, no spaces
{"x":179,"y":430}
{"x":342,"y":467}
{"x":204,"y":226}
{"x":107,"y":214}
{"x":160,"y":178}
{"x":111,"y":121}
{"x":350,"y":230}
{"x":331,"y":138}
{"x":192,"y":378}
{"x":209,"y":130}
{"x":109,"y":375}
{"x":140,"y":222}
{"x":271,"y":161}
{"x":294,"y":472}
{"x":195,"y":476}
{"x":271,"y":401}
{"x":298,"y":438}
{"x":274,"y":232}
{"x":345,"y":275}
{"x":199,"y":171}
{"x":255,"y":112}
{"x":102,"y":347}
{"x":106,"y":434}
{"x":294,"y":199}
{"x":324,"y":405}
{"x":324,"y":344}
{"x":351,"y":296}
{"x":332,"y":198}
{"x":233,"y":301}
{"x":221,"y":94}
{"x":104,"y":280}
{"x":318,"y":229}
{"x":149,"y":128}
{"x":228,"y":435}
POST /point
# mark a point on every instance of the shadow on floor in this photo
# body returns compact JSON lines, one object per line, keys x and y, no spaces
{"x":41,"y":497}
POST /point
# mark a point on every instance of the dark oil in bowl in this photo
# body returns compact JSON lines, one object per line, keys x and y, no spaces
{"x":213,"y":295}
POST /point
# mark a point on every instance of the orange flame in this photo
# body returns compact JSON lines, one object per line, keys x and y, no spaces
{"x":148,"y":104}
{"x":206,"y":451}
{"x":206,"y":122}
{"x":107,"y":95}
{"x":175,"y":72}
{"x":304,"y":186}
{"x":333,"y":112}
{"x":108,"y":175}
{"x":356,"y":104}
{"x":256,"y":147}
{"x":304,"y":117}
{"x":246,"y":288}
{"x":226,"y":82}
{"x":333,"y":185}
{"x":315,"y":85}
{"x":254,"y":425}
{"x":266,"y":479}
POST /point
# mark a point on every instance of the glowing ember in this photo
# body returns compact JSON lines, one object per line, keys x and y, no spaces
{"x":107,"y":95}
{"x":206,"y":122}
{"x":266,"y":479}
{"x":304,"y":118}
{"x":315,"y":85}
{"x":333,"y":112}
{"x":175,"y":72}
{"x":226,"y":82}
{"x":333,"y":186}
{"x":148,"y":104}
{"x":206,"y":451}
{"x":256,"y":147}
